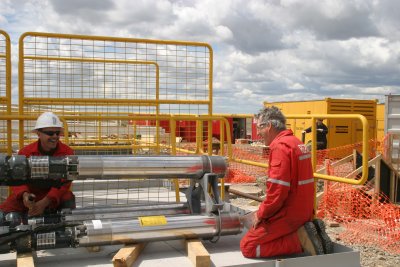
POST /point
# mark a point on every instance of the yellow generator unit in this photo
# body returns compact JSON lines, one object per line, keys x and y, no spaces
{"x":380,"y":122}
{"x":341,"y":131}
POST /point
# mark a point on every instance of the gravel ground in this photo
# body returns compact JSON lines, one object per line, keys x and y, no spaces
{"x":370,"y":256}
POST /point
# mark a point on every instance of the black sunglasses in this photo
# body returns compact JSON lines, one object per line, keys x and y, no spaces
{"x":50,"y":133}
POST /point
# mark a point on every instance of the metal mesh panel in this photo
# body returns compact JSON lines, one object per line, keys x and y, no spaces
{"x":82,"y":76}
{"x":121,"y":191}
{"x":99,"y":67}
{"x":5,"y":99}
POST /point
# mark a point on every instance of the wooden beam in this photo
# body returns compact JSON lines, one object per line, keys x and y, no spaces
{"x":25,"y":260}
{"x":127,"y":255}
{"x":342,"y":161}
{"x":197,"y":253}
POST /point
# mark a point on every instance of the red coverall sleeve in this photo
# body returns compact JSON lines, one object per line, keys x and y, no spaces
{"x":278,"y":183}
{"x":55,"y":194}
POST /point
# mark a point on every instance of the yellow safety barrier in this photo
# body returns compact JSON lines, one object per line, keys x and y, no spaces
{"x":79,"y":74}
{"x":5,"y":87}
{"x":199,"y":149}
{"x":365,"y":145}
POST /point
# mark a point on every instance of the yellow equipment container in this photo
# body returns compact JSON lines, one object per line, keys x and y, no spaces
{"x":380,"y":122}
{"x":341,"y":131}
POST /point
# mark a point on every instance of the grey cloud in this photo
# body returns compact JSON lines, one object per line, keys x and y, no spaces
{"x":79,"y":11}
{"x":253,"y":36}
{"x":352,"y":22}
{"x":73,"y":6}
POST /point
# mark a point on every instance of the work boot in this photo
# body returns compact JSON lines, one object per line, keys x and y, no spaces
{"x":326,"y":240}
{"x":309,"y":239}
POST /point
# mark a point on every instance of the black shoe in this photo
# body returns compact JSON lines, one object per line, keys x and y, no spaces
{"x":326,"y":240}
{"x":309,"y":239}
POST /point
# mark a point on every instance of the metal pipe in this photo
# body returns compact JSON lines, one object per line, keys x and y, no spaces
{"x":123,"y":208}
{"x":106,"y":167}
{"x":127,"y":212}
{"x":18,"y":169}
{"x":108,"y":232}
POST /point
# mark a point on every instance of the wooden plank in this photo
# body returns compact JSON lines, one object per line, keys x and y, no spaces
{"x":197,"y":253}
{"x":25,"y":260}
{"x":342,"y":161}
{"x":127,"y":255}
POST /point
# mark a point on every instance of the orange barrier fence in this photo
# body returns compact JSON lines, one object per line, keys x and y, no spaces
{"x":369,"y":218}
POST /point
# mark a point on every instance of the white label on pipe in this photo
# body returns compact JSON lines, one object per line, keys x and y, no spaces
{"x":97,"y":224}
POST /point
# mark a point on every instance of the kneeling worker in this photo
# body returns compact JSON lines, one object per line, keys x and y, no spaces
{"x":283,"y":223}
{"x":34,"y":200}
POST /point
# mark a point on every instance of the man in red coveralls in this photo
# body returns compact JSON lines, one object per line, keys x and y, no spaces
{"x":31,"y":199}
{"x":283,"y":223}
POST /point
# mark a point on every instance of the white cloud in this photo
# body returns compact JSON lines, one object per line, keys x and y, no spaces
{"x":263,"y":50}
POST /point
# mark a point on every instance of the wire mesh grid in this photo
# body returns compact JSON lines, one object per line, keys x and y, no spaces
{"x":103,"y":76}
{"x":68,"y":66}
{"x":4,"y":56}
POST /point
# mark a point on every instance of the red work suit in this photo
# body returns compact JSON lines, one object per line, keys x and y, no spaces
{"x":289,"y":202}
{"x":57,"y":195}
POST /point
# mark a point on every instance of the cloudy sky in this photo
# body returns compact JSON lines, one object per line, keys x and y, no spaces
{"x":264,"y":50}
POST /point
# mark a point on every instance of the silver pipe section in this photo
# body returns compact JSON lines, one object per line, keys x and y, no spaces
{"x":109,"y":232}
{"x":130,"y":212}
{"x":108,"y":167}
{"x":124,"y":208}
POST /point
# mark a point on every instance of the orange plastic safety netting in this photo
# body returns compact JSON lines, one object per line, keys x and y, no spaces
{"x":246,"y":173}
{"x":368,"y":216}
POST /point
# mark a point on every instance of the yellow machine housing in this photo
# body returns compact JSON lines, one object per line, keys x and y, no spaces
{"x":341,"y":131}
{"x":380,"y":121}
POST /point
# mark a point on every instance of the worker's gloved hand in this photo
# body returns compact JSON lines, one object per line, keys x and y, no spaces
{"x":303,"y":131}
{"x":28,"y":199}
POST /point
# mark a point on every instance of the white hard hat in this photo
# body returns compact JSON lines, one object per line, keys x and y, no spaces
{"x":47,"y":119}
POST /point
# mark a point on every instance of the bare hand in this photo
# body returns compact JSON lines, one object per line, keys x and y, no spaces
{"x":28,"y":199}
{"x":38,"y":207}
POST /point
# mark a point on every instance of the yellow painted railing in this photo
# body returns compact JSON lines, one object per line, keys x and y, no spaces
{"x":365,"y":145}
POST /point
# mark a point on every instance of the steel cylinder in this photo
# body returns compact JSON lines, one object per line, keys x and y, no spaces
{"x":131,"y":212}
{"x":107,"y":167}
{"x":107,"y":232}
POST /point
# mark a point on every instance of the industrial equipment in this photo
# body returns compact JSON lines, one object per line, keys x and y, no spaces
{"x":203,"y":216}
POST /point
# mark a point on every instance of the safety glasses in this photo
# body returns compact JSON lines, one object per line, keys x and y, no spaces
{"x":261,"y":126}
{"x":50,"y":133}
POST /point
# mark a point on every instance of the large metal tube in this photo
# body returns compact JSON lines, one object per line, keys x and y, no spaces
{"x":107,"y":167}
{"x":17,"y":169}
{"x":107,"y":232}
{"x":131,"y":212}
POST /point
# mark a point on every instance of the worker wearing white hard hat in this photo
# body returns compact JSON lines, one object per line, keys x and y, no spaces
{"x":48,"y":128}
{"x":31,"y":199}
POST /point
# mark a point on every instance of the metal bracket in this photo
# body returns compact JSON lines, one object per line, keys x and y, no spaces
{"x":199,"y":189}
